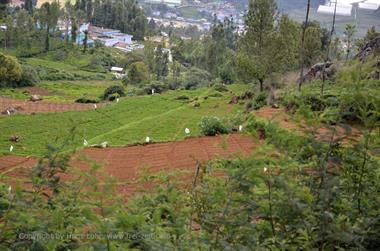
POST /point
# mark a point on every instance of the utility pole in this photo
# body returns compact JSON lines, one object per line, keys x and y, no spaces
{"x":302,"y":51}
{"x":328,"y":50}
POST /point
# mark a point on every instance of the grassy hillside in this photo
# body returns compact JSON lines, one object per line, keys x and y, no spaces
{"x":161,"y":117}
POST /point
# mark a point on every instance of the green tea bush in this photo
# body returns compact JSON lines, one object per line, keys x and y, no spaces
{"x":110,"y":91}
{"x":61,"y":55}
{"x":211,"y":126}
{"x":220,"y":87}
{"x":87,"y":100}
{"x":157,"y":86}
{"x":259,"y":101}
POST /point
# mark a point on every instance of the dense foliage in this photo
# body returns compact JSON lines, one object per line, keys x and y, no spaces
{"x":307,"y":186}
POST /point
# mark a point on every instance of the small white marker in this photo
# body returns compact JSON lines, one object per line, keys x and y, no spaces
{"x":85,"y":143}
{"x":152,"y":91}
{"x":8,"y":112}
{"x":147,"y":139}
{"x":187,"y":130}
{"x":11,"y":149}
{"x":265,"y":169}
{"x":9,"y":189}
{"x":117,"y":100}
{"x":240,"y":128}
{"x":95,"y":106}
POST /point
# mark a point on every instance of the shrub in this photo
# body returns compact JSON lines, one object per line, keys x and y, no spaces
{"x":182,"y":97}
{"x":29,"y":76}
{"x":110,"y":91}
{"x":86,"y":100}
{"x":220,"y":87}
{"x":60,"y":55}
{"x":211,"y":126}
{"x":227,"y":74}
{"x":196,"y":78}
{"x":158,"y":87}
{"x":10,"y":70}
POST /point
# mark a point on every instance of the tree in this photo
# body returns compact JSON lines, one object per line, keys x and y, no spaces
{"x":67,"y":15}
{"x":29,"y":6}
{"x":48,"y":16}
{"x":304,"y":27}
{"x":256,"y":46}
{"x":313,"y":45}
{"x":349,"y":32}
{"x":85,"y":41}
{"x":287,"y":44}
{"x":138,"y":73}
{"x":3,"y":8}
{"x":10,"y":70}
{"x":161,"y":60}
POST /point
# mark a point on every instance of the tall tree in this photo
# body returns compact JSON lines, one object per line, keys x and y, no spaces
{"x":48,"y":16}
{"x":302,"y":51}
{"x":85,"y":40}
{"x":256,"y":46}
{"x":349,"y":32}
{"x":161,"y":60}
{"x":29,"y":6}
{"x":3,"y":8}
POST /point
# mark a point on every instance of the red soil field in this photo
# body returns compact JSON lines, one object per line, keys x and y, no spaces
{"x":29,"y":107}
{"x":125,"y":163}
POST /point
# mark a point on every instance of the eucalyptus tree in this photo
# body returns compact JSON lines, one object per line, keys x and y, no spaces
{"x":48,"y":16}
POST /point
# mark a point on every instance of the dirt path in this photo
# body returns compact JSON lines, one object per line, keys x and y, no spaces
{"x":125,"y":163}
{"x":279,"y":116}
{"x":29,"y":107}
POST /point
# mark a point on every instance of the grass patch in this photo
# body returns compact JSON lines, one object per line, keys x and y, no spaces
{"x":161,"y":117}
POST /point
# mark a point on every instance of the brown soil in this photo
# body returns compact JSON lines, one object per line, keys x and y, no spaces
{"x":29,"y":107}
{"x":125,"y":163}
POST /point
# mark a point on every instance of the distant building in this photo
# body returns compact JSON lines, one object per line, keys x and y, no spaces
{"x":109,"y":37}
{"x":16,"y":3}
{"x":171,"y":3}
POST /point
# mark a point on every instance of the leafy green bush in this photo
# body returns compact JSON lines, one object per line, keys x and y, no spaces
{"x":87,"y":100}
{"x":29,"y":76}
{"x":257,"y":102}
{"x":220,"y":87}
{"x":211,"y":126}
{"x":157,"y":86}
{"x":10,"y":70}
{"x":61,"y":55}
{"x":195,"y":78}
{"x":110,"y":91}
